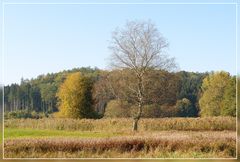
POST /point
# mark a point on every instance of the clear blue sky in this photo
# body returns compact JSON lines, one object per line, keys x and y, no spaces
{"x":49,"y":38}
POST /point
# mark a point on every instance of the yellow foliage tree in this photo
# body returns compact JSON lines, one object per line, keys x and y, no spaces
{"x":75,"y":97}
{"x":213,"y":89}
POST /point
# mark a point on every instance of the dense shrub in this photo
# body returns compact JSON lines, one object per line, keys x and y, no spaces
{"x":156,"y":111}
{"x":185,"y":108}
{"x":24,"y":114}
{"x":151,"y":111}
{"x":122,"y":109}
{"x":168,"y":111}
{"x":117,"y":109}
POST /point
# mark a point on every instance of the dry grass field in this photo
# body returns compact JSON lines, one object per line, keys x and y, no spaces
{"x":125,"y":124}
{"x":157,"y":138}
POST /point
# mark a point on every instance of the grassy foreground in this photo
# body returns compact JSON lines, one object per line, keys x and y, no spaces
{"x":42,"y":139}
{"x":158,"y":144}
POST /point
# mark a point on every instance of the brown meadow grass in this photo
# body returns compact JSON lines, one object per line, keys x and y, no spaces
{"x":125,"y":124}
{"x":158,"y":145}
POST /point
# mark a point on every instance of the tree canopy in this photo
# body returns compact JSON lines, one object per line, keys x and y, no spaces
{"x":218,"y":95}
{"x":75,"y":97}
{"x":163,"y":93}
{"x":139,"y":47}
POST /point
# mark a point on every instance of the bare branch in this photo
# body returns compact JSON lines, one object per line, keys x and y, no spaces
{"x":139,"y":47}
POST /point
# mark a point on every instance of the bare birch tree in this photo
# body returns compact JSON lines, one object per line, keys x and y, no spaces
{"x":139,"y":47}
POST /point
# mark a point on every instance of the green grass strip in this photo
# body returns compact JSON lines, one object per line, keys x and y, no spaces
{"x":10,"y":133}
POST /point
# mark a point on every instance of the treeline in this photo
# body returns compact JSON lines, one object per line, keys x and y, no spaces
{"x":182,"y":94}
{"x":38,"y":94}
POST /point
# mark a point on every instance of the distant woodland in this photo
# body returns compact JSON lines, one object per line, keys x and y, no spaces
{"x":173,"y":94}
